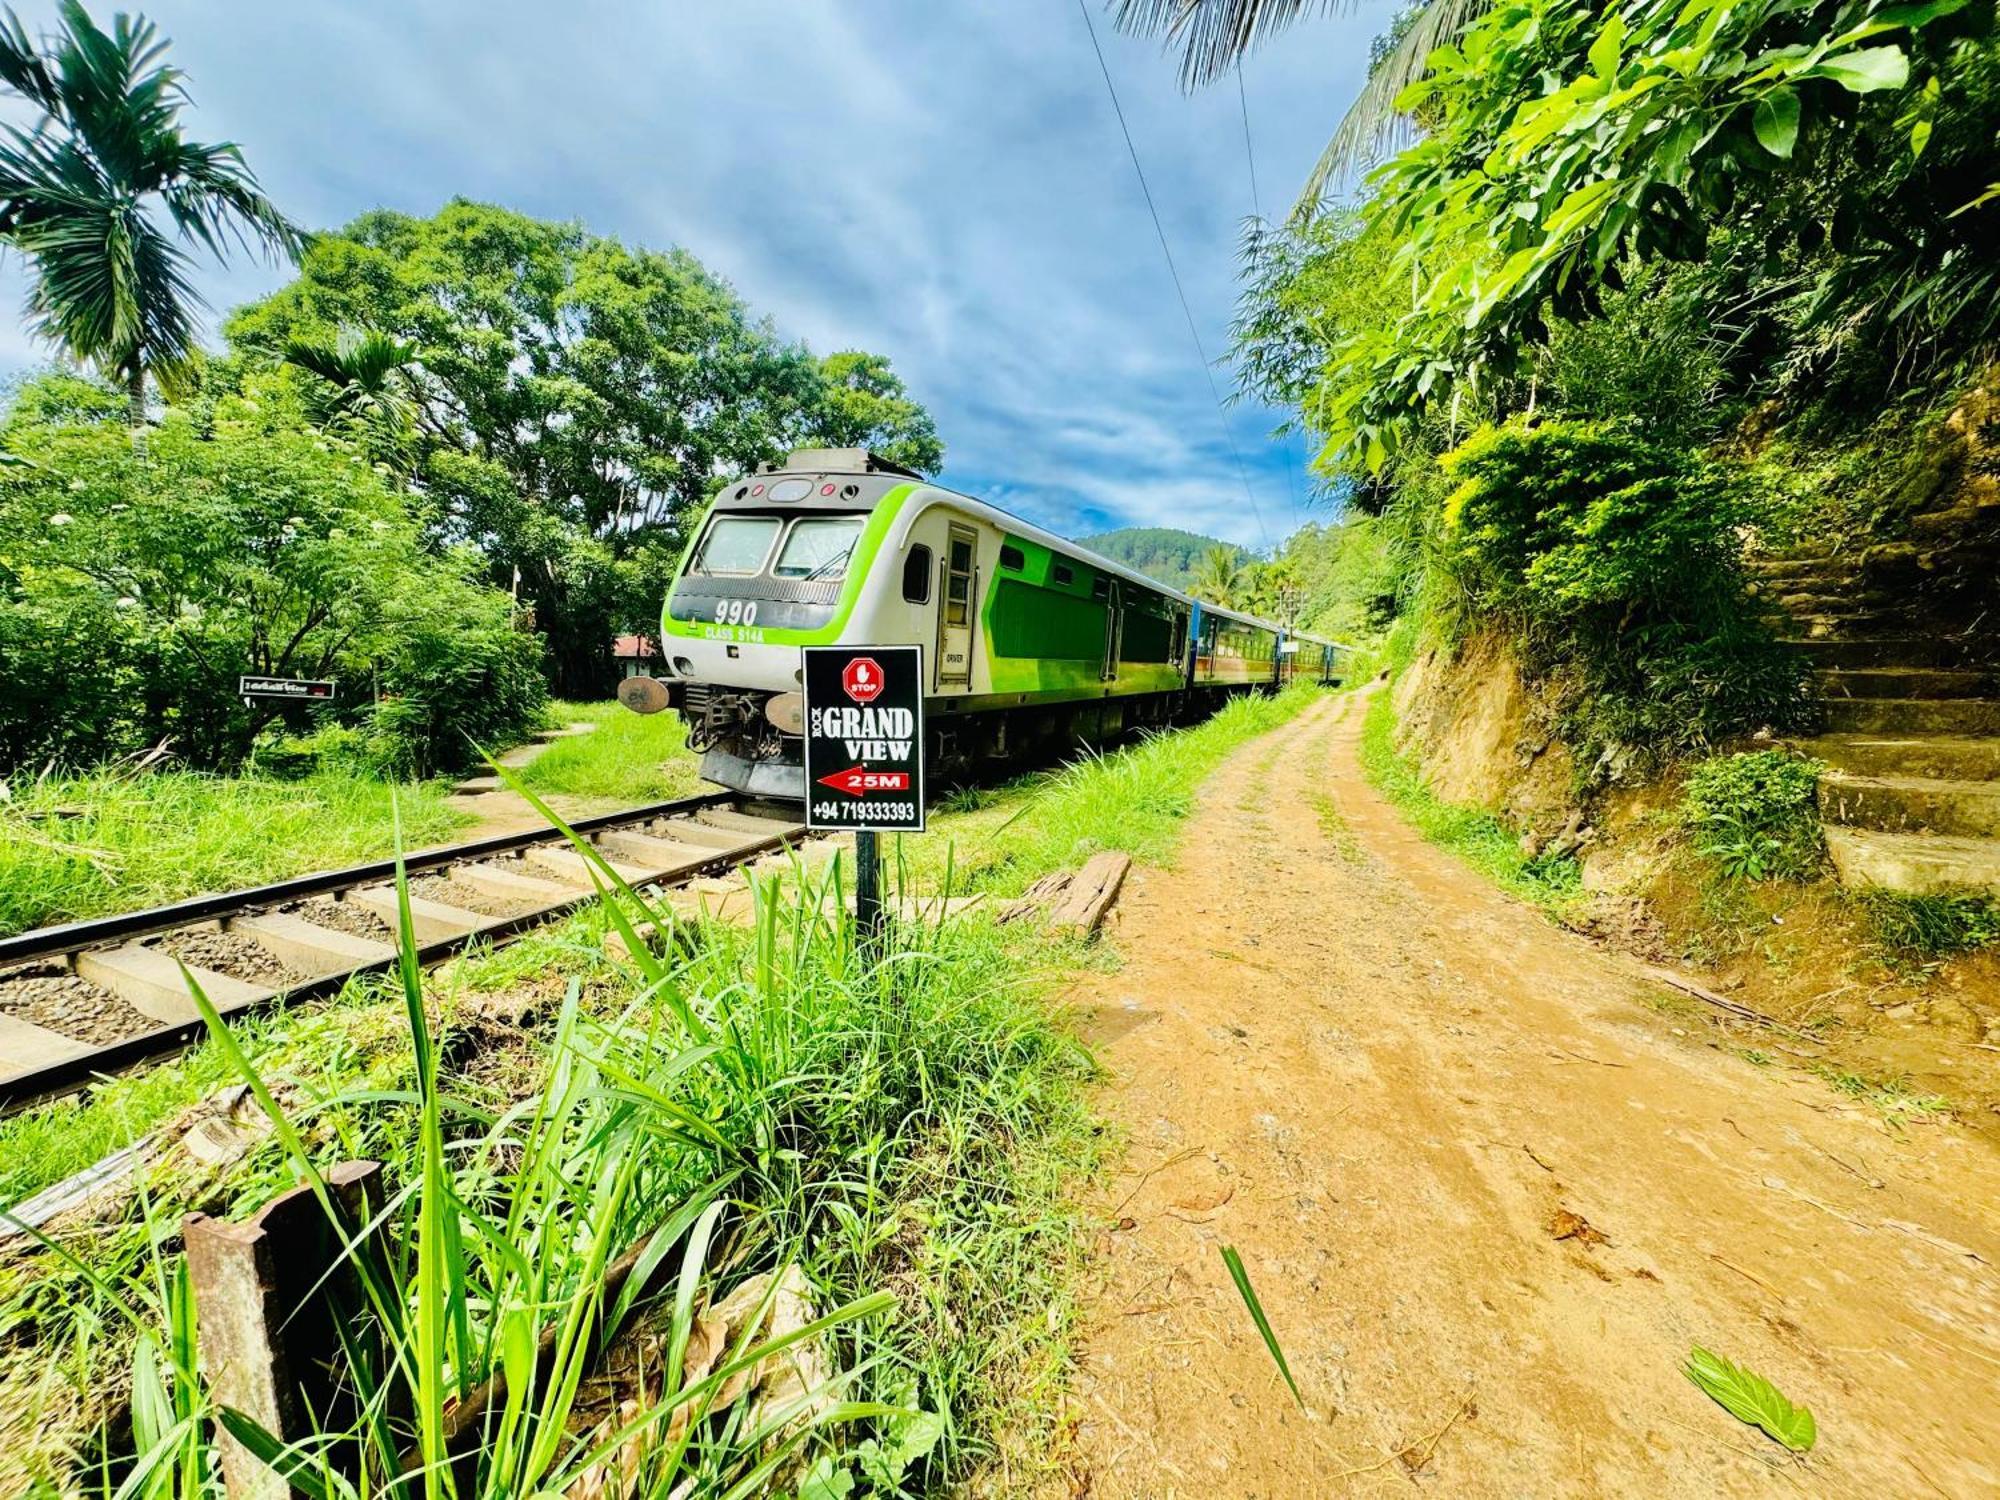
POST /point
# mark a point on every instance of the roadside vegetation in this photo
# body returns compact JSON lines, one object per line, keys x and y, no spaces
{"x":628,"y":758}
{"x":895,"y":1142}
{"x":1549,"y":881}
{"x":117,"y":839}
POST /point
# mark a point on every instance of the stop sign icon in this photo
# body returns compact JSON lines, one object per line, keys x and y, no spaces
{"x":862,"y":678}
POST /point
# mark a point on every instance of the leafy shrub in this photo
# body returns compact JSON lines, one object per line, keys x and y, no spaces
{"x":1616,"y":560}
{"x":134,"y":591}
{"x":1757,"y":814}
{"x":1932,"y":925}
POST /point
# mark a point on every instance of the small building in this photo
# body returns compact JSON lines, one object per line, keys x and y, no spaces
{"x":636,"y":656}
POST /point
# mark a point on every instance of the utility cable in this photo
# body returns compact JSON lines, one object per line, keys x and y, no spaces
{"x":1173,"y":271}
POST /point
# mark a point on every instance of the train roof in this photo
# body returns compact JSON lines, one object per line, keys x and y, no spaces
{"x":821,"y":462}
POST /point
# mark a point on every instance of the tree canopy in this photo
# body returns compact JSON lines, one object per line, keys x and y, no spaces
{"x":573,"y":399}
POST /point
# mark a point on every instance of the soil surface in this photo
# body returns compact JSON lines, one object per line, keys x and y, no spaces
{"x":1490,"y":1192}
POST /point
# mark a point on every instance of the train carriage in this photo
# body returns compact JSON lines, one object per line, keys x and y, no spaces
{"x":1031,"y":642}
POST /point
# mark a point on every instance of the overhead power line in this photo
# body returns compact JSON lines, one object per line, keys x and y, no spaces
{"x":1207,"y":370}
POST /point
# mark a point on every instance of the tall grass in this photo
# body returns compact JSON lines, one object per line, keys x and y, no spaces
{"x":81,"y":846}
{"x":628,"y":757}
{"x":759,"y":1100}
{"x":1475,"y":835}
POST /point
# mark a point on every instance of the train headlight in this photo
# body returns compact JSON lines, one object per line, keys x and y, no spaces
{"x":684,"y":666}
{"x":787,"y":712}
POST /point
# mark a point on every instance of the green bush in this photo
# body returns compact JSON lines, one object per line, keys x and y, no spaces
{"x":135,"y":590}
{"x":1616,"y":560}
{"x":1757,"y":814}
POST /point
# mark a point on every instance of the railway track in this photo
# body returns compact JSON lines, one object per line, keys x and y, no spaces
{"x":92,"y":997}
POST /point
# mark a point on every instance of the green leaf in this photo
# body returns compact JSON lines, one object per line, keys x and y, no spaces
{"x":1249,"y":1294}
{"x":1776,"y":122}
{"x":1865,"y":69}
{"x":1751,"y":1399}
{"x":1604,"y":51}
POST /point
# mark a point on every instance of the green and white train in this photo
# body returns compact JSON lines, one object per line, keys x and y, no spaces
{"x":1031,"y":643}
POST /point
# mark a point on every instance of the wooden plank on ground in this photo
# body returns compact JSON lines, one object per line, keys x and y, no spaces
{"x":150,"y":981}
{"x":1090,"y":894}
{"x":701,"y":835}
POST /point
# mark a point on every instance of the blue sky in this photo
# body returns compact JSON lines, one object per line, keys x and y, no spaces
{"x":943,"y":182}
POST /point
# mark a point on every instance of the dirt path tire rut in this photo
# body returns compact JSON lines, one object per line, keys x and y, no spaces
{"x":1488,"y":1197}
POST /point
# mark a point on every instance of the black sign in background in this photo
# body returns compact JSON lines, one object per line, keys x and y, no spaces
{"x":308,"y":688}
{"x":859,"y":775}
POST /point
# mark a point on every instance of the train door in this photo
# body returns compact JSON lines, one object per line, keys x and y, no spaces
{"x":1114,"y":629}
{"x":961,"y":573}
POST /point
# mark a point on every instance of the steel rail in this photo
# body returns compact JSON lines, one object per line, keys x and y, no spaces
{"x":92,"y":932}
{"x":73,"y":1073}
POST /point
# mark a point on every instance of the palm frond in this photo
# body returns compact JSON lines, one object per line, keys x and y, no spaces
{"x":1213,"y":34}
{"x":110,"y":283}
{"x":21,"y":66}
{"x":1373,"y":128}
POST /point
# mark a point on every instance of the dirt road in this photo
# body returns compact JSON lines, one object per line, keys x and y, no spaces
{"x":1392,"y":1088}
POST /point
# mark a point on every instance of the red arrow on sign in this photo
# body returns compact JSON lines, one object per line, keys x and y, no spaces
{"x":857,"y":782}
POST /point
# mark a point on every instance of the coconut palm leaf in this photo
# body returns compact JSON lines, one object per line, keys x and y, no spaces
{"x":82,"y":192}
{"x":1214,"y":35}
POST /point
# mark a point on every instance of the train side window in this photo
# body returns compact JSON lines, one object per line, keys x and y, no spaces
{"x":1064,"y":575}
{"x":917,"y":575}
{"x":1100,"y":587}
{"x":958,"y":583}
{"x":1010,"y":557}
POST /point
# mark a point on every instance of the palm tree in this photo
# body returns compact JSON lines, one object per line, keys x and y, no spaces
{"x":1218,"y":577}
{"x":1214,"y":35}
{"x":78,"y":190}
{"x":371,"y":401}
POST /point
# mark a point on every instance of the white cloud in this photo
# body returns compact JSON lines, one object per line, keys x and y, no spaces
{"x":943,"y":183}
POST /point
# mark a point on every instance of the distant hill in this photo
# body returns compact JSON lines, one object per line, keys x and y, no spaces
{"x":1162,"y":552}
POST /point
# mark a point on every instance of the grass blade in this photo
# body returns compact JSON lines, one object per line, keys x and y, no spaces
{"x":1249,"y":1293}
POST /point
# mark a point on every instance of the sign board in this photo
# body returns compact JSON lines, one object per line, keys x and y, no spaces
{"x":314,"y":689}
{"x":864,"y":749}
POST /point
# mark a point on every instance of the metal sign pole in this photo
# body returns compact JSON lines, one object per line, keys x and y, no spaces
{"x":867,"y":887}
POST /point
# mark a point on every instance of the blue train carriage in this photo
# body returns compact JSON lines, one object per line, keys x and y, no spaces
{"x":1031,"y":643}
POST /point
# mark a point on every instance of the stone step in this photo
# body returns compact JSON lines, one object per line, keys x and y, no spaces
{"x":1870,"y":625}
{"x":431,"y":921}
{"x":1835,"y":602}
{"x":474,"y":786}
{"x":308,"y":947}
{"x":1776,"y":568}
{"x":1948,"y":757}
{"x":1913,"y":863}
{"x":1959,"y":522}
{"x":151,"y":982}
{"x":1912,"y":716}
{"x":1904,"y":682}
{"x":1911,"y":804}
{"x":1883,"y":651}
